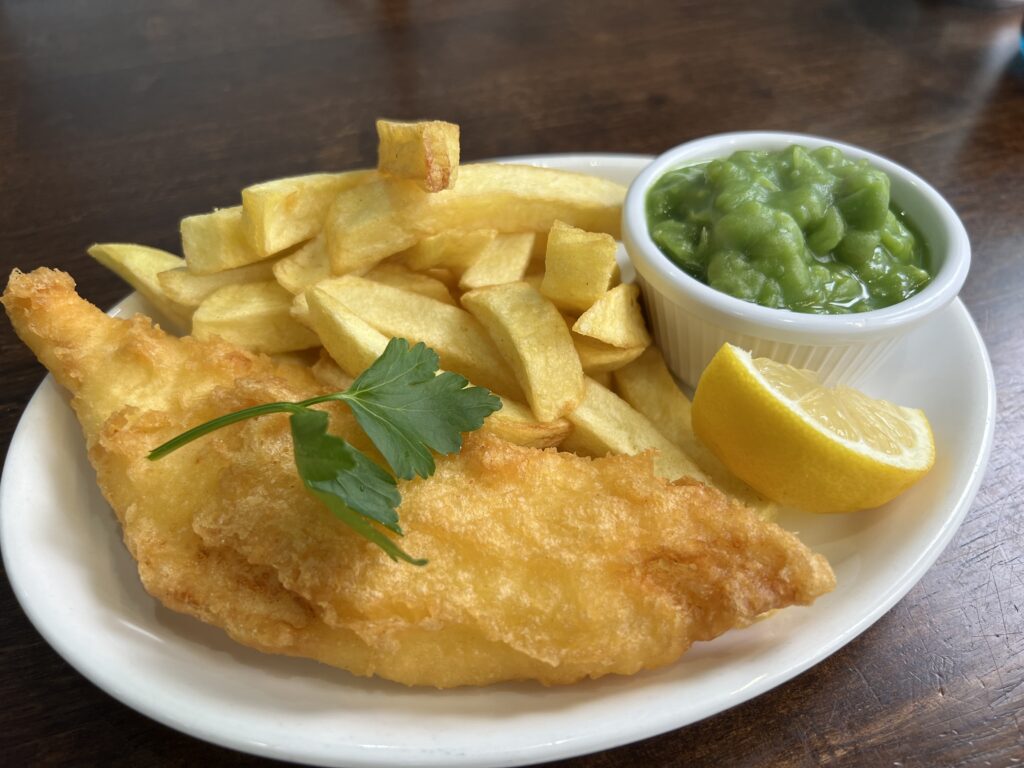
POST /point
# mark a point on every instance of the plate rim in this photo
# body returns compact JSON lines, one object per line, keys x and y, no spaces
{"x":576,"y":744}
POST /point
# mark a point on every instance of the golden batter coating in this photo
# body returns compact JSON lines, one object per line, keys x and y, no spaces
{"x":543,"y":565}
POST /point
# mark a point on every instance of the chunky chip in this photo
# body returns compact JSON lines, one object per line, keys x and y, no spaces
{"x":303,"y":267}
{"x":516,"y":423}
{"x":190,"y":289}
{"x":354,"y":345}
{"x":352,"y":342}
{"x":615,"y":319}
{"x":252,"y":315}
{"x":400,"y":277}
{"x":503,"y":260}
{"x":284,"y":212}
{"x":598,"y":357}
{"x":382,"y":217}
{"x":532,"y":337}
{"x":453,"y":249}
{"x":459,"y":340}
{"x":604,"y":423}
{"x":426,"y":152}
{"x":329,"y":373}
{"x":579,"y":267}
{"x":213,"y":242}
{"x":140,"y":267}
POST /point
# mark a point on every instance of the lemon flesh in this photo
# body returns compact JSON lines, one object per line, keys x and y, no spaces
{"x":805,"y":445}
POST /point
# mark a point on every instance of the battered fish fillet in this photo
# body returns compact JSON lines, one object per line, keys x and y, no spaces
{"x":543,"y":565}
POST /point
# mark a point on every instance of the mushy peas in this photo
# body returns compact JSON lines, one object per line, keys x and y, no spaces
{"x":806,"y":231}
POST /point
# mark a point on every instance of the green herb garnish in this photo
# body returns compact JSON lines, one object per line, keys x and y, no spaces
{"x":404,"y":407}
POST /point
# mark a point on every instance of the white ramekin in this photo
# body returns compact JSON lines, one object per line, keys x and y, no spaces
{"x":691,"y":320}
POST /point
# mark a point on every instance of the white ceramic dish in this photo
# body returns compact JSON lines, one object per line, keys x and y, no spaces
{"x":65,"y":560}
{"x":691,"y":320}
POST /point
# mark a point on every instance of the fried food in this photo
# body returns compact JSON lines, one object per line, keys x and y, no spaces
{"x":579,"y":266}
{"x":425,"y":151}
{"x":256,"y":316}
{"x":543,"y":565}
{"x":383,"y":217}
{"x":215,"y":241}
{"x":141,"y":266}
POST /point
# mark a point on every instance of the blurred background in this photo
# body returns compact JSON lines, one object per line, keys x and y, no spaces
{"x":118,"y":118}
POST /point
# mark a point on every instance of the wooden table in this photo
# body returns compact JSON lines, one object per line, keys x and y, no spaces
{"x":117,"y":119}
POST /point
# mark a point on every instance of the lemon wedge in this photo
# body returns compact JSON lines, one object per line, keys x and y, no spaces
{"x":803,"y":444}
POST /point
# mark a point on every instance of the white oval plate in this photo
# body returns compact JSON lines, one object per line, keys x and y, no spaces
{"x":65,"y":560}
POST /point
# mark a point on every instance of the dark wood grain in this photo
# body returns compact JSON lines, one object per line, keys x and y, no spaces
{"x":116,"y":119}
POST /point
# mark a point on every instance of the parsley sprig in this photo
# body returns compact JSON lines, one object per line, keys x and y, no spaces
{"x":405,"y":408}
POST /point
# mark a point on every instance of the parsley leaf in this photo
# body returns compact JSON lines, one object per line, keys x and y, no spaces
{"x":330,"y":466}
{"x":404,"y":407}
{"x":347,"y":482}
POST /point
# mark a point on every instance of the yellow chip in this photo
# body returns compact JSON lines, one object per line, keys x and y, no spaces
{"x":516,"y":423}
{"x":400,"y":277}
{"x":329,"y":373}
{"x":616,"y":319}
{"x":382,"y":217}
{"x":598,"y":357}
{"x":303,"y":267}
{"x":503,"y":260}
{"x":426,"y":152}
{"x":454,"y":249}
{"x":252,"y":315}
{"x":604,"y":423}
{"x":213,"y":242}
{"x":459,"y":340}
{"x":532,"y":337}
{"x":284,"y":212}
{"x":140,"y":267}
{"x":190,"y":289}
{"x":353,"y":343}
{"x":579,"y":267}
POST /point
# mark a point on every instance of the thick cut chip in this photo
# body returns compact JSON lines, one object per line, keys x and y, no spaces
{"x":426,"y":152}
{"x":459,"y":340}
{"x":579,"y":267}
{"x":253,"y":315}
{"x":299,"y":310}
{"x":351,"y":341}
{"x":354,"y":345}
{"x":604,"y":423}
{"x":190,"y":289}
{"x":384,"y":216}
{"x":515,"y":423}
{"x":304,"y":267}
{"x":284,"y":212}
{"x":139,"y":266}
{"x":213,"y":242}
{"x":453,"y":249}
{"x":647,"y":385}
{"x":616,"y":319}
{"x":329,"y":373}
{"x":598,"y":357}
{"x":532,"y":337}
{"x":535,"y":280}
{"x":400,"y":277}
{"x":503,"y":260}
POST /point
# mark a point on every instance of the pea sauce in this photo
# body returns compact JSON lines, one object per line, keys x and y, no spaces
{"x":808,"y":231}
